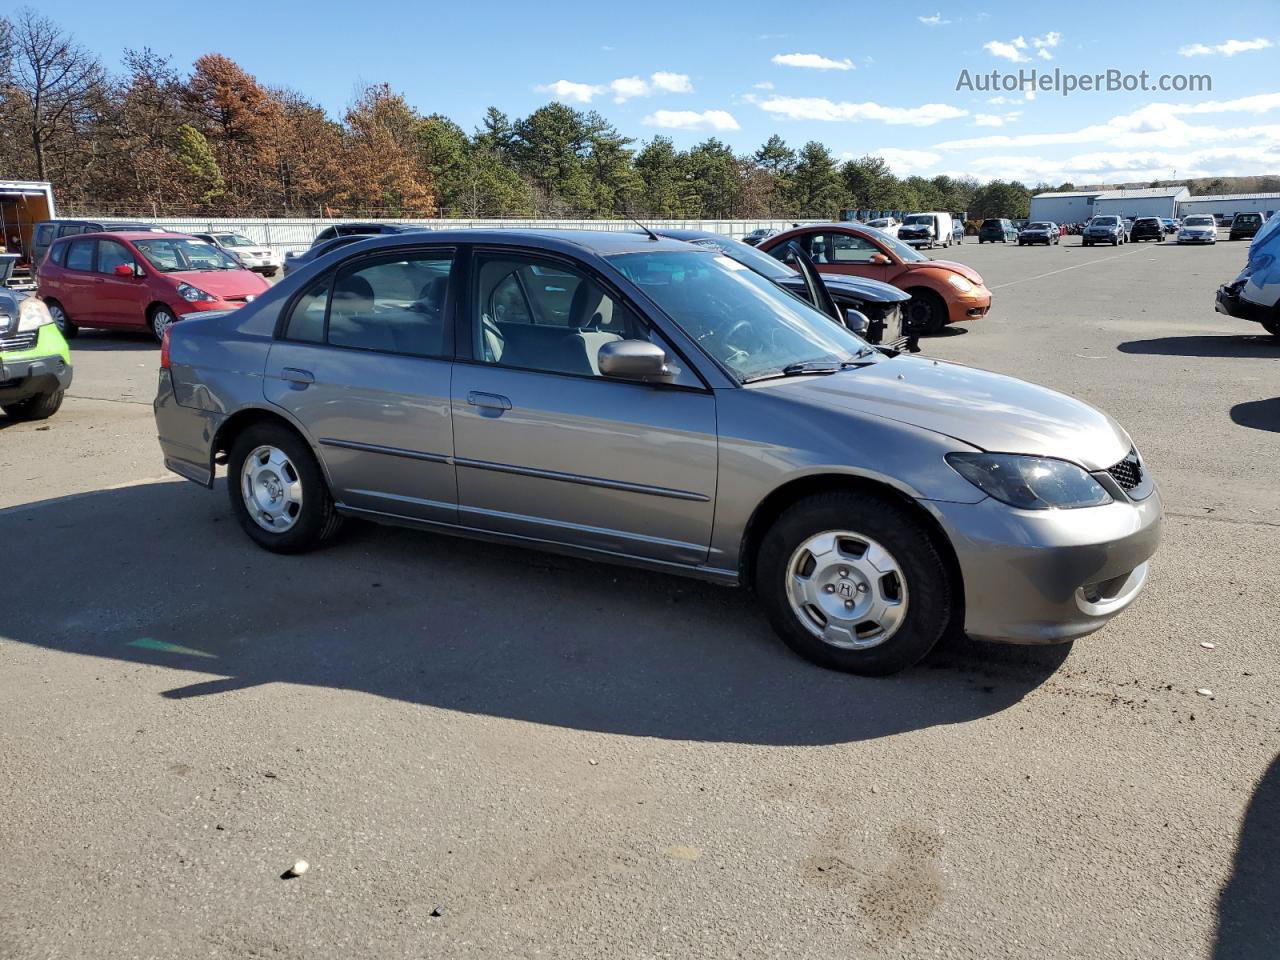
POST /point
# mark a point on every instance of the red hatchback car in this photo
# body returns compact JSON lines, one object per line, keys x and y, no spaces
{"x":139,"y":280}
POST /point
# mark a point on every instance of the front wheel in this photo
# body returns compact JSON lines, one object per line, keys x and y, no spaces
{"x":161,"y":319}
{"x":1272,"y":327}
{"x":278,"y":492}
{"x":66,"y":326}
{"x":40,"y":407}
{"x":854,"y":583}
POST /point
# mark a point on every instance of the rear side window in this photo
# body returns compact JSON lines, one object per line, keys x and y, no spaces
{"x":391,"y":304}
{"x":70,"y":229}
{"x":44,"y":234}
{"x":80,"y":255}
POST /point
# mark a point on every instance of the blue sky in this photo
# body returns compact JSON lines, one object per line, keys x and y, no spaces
{"x":861,"y":77}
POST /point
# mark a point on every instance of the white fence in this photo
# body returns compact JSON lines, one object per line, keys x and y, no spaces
{"x":284,"y":235}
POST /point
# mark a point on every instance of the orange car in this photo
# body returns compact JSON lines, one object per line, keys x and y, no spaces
{"x":942,"y":291}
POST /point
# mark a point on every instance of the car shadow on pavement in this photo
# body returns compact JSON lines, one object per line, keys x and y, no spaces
{"x":1258,"y":414}
{"x":99,"y":341}
{"x":1246,"y":345}
{"x":1248,"y":917}
{"x":456,"y":624}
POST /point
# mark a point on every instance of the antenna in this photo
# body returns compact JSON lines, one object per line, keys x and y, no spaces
{"x":652,"y":236}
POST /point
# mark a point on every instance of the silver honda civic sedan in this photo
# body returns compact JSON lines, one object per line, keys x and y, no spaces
{"x":644,"y":401}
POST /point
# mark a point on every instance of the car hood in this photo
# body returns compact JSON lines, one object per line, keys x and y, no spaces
{"x":986,"y":410}
{"x":859,"y":288}
{"x":223,"y":283}
{"x":954,"y":266}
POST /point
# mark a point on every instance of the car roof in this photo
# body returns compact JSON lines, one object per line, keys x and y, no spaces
{"x":604,"y":243}
{"x":130,"y":235}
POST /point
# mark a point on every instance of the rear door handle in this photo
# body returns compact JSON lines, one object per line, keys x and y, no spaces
{"x":490,"y":401}
{"x":295,"y":375}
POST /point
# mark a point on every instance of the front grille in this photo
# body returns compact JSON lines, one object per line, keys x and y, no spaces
{"x":1128,"y":472}
{"x":19,"y":341}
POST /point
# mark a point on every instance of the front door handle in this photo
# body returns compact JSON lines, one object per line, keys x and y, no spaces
{"x":295,"y":375}
{"x":489,"y":401}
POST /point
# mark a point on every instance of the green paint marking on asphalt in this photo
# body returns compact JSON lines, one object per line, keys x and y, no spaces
{"x":146,"y":643}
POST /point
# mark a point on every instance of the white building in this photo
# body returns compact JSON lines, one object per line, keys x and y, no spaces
{"x":1227,"y":205}
{"x":1080,"y":206}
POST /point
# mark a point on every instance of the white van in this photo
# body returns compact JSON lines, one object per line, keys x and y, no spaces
{"x":926,"y":229}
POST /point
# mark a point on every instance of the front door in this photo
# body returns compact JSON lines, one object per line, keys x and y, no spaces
{"x":119,"y":299}
{"x":549,"y":449}
{"x":364,"y":366}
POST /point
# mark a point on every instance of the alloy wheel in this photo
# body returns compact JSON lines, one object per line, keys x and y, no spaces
{"x":271,"y":489}
{"x":846,"y":589}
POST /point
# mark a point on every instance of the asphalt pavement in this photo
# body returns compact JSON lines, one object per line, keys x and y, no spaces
{"x":483,"y":751}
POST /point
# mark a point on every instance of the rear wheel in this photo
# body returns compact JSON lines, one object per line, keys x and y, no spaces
{"x":854,"y":583}
{"x":40,"y":407}
{"x":925,"y":313}
{"x":278,"y":491}
{"x":1272,"y":327}
{"x":60,"y":320}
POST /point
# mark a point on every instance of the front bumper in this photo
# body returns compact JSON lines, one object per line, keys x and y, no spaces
{"x":1049,"y":576}
{"x":1228,"y":301}
{"x":1197,"y":238}
{"x":916,"y":241}
{"x":32,"y":376}
{"x":970,"y":306}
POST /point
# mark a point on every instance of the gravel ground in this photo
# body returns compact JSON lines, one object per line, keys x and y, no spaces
{"x":484,"y":751}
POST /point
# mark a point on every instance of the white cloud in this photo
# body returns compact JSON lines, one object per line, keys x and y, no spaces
{"x":762,"y":85}
{"x":819,"y":108}
{"x":692,"y":120}
{"x":812,"y":61}
{"x":1121,"y":166}
{"x":1046,"y":43}
{"x":671,"y":82}
{"x":1228,"y":49}
{"x":623,"y":88}
{"x":1012,"y":50}
{"x":906,"y":162}
{"x":572,"y":92}
{"x":934,"y":21}
{"x":988,"y":120}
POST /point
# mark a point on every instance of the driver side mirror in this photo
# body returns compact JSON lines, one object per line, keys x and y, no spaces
{"x":634,"y":360}
{"x":879,"y":259}
{"x":857,"y":321}
{"x":124,"y":270}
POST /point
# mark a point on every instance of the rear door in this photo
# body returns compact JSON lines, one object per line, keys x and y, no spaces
{"x":74,"y":288}
{"x":364,"y":364}
{"x":549,"y":449}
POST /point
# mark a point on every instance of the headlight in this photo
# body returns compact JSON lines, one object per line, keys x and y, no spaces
{"x":193,"y":294}
{"x":1029,"y":483}
{"x":959,"y":282}
{"x":32,"y":315}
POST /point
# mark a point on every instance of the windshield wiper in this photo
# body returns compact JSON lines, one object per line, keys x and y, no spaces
{"x":813,"y":368}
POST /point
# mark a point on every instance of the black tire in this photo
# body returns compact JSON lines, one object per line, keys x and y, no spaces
{"x":926,"y":313}
{"x":1272,"y":327}
{"x":40,"y":407}
{"x":317,"y":520}
{"x":928,"y":586}
{"x":159,"y":318}
{"x":66,"y":326}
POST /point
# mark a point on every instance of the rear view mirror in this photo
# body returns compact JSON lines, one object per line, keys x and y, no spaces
{"x":123,"y":270}
{"x":633,"y":360}
{"x":857,"y":321}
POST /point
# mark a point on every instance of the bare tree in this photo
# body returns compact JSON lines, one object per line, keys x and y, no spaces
{"x":53,"y":80}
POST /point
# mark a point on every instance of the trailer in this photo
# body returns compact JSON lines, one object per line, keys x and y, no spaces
{"x":23,"y":204}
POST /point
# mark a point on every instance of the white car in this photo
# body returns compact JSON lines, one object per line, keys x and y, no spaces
{"x":1198,"y":228}
{"x":887,"y":225}
{"x":257,"y":257}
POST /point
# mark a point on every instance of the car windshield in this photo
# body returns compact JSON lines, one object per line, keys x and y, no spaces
{"x":233,"y":240}
{"x":1248,"y":218}
{"x":878,"y":223}
{"x":1037,"y":226}
{"x":1198,"y":222}
{"x":905,"y":252}
{"x":1105,"y":221}
{"x":750,"y":256}
{"x":919,"y":218}
{"x":179,"y":255}
{"x":754,"y":329}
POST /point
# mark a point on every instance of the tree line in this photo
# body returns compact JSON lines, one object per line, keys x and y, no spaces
{"x":153,"y":139}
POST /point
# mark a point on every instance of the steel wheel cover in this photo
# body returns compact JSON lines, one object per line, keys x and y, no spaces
{"x":161,"y":321}
{"x":271,"y":489}
{"x":846,"y":589}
